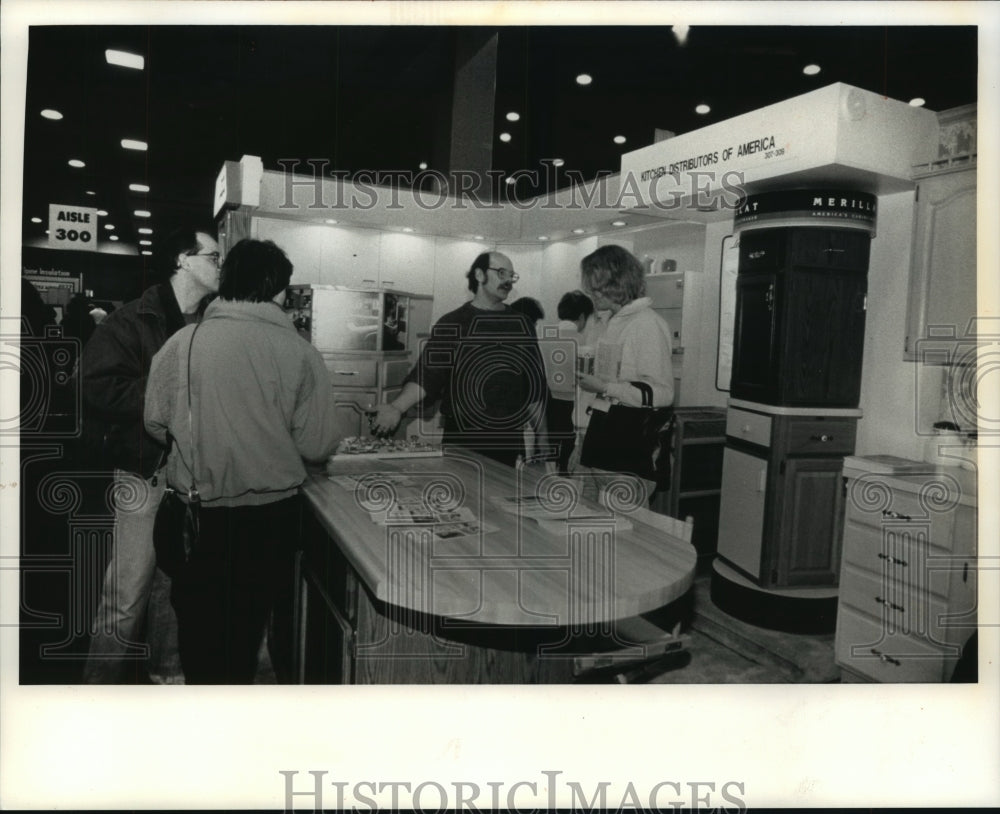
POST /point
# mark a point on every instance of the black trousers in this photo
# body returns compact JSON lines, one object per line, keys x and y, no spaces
{"x":223,"y":598}
{"x":562,"y":430}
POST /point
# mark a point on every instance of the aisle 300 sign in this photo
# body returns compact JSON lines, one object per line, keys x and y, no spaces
{"x":72,"y":227}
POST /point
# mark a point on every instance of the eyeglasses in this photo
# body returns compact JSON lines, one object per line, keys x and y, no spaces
{"x":213,"y":256}
{"x":504,"y":274}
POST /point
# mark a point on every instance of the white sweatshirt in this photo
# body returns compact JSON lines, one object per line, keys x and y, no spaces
{"x":646,"y":350}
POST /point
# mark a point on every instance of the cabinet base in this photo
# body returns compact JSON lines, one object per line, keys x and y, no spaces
{"x":793,"y":610}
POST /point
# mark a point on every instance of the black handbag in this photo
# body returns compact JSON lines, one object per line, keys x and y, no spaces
{"x":175,"y":531}
{"x":176,"y":527}
{"x":627,"y":439}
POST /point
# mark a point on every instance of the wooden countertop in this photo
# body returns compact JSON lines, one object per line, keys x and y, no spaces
{"x":586,"y":572}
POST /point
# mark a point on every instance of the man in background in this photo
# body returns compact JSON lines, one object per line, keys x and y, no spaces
{"x":483,"y":362}
{"x":115,"y":367}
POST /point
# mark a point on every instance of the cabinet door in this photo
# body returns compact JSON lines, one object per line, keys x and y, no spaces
{"x":942,"y":292}
{"x":349,"y":412}
{"x":302,"y":242}
{"x":406,"y":263}
{"x":807,"y":542}
{"x":351,"y":257}
{"x":830,"y":248}
{"x":823,"y":339}
{"x":756,"y":335}
{"x":741,"y":516}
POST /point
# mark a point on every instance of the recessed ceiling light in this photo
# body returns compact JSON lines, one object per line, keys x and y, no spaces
{"x":331,"y":221}
{"x":513,"y":116}
{"x":143,"y":213}
{"x":702,"y":109}
{"x":557,"y":162}
{"x":109,"y":226}
{"x":113,"y":237}
{"x":584,"y":79}
{"x":89,"y":192}
{"x":811,"y":70}
{"x":102,"y":213}
{"x":505,"y":137}
{"x":543,"y":237}
{"x":917,"y":102}
{"x":407,"y":229}
{"x":619,"y":139}
{"x":578,"y":231}
{"x":124,"y":59}
{"x":145,"y":242}
{"x":134,"y":144}
{"x":617,"y":223}
{"x":422,"y":165}
{"x":36,"y":220}
{"x":49,"y":113}
{"x":138,"y":187}
{"x":145,"y":231}
{"x":76,"y":162}
{"x":146,"y":252}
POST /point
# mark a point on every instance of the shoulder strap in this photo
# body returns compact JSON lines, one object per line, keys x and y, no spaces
{"x":193,"y":490}
{"x":646,"y":391}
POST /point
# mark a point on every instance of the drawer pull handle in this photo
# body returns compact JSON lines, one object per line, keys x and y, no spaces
{"x":346,"y":372}
{"x":896,"y":515}
{"x":756,"y":255}
{"x":892,"y":560}
{"x":821,"y":438}
{"x":889,"y":604}
{"x":835,"y":251}
{"x":885,"y":658}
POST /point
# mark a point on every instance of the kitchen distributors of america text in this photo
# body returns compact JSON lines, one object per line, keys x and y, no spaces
{"x":714,"y":157}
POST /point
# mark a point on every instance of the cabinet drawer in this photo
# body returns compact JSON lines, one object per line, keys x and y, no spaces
{"x":347,"y":372}
{"x":762,"y":249}
{"x":863,"y":645}
{"x":818,"y":436}
{"x":900,"y":555}
{"x":899,"y":606}
{"x":746,"y":426}
{"x":830,"y":248}
{"x":871,"y":503}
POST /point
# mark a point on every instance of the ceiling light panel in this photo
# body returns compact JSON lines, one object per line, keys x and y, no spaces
{"x":125,"y":59}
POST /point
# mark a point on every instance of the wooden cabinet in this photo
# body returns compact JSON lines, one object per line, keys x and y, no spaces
{"x":908,"y":580}
{"x":942,"y":291}
{"x":800,"y":316}
{"x":781,"y":497}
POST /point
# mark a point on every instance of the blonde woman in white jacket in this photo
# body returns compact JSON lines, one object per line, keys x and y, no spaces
{"x":634,"y":379}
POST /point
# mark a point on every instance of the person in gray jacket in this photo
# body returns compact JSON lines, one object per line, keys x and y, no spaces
{"x":245,"y":399}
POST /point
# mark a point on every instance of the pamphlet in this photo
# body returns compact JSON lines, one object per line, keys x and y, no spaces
{"x":444,"y":524}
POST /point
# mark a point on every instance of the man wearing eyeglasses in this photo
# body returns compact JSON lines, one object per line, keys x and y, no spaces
{"x":115,"y":366}
{"x":483,"y":362}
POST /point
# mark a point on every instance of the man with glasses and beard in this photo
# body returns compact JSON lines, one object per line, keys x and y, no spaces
{"x":483,"y":362}
{"x":115,"y":367}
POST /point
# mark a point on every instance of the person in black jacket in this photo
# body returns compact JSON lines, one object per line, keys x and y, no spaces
{"x":115,"y":366}
{"x":482,"y":361}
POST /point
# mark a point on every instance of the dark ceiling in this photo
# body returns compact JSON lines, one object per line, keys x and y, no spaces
{"x":380,"y":98}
